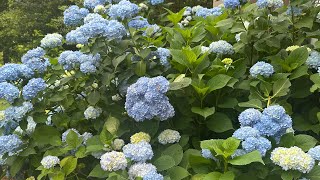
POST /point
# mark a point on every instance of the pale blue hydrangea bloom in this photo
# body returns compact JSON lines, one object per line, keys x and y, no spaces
{"x":156,"y":2}
{"x":153,"y":176}
{"x":206,"y":153}
{"x":315,"y":153}
{"x":74,"y":15}
{"x":232,"y":4}
{"x":33,"y":87}
{"x":65,"y":134}
{"x":138,"y":22}
{"x":10,"y":144}
{"x":313,"y":60}
{"x":115,"y":30}
{"x":261,"y":68}
{"x":188,"y":11}
{"x":204,"y":12}
{"x":13,"y":72}
{"x":8,"y":92}
{"x":249,"y":117}
{"x":85,"y":136}
{"x":169,"y":136}
{"x":221,"y":47}
{"x":35,"y":60}
{"x":246,"y":132}
{"x":270,"y":3}
{"x":238,"y":152}
{"x":51,"y":40}
{"x":151,"y":30}
{"x":163,"y":54}
{"x":92,"y":112}
{"x":94,"y":17}
{"x":50,"y":161}
{"x":256,"y":143}
{"x":91,"y":4}
{"x":138,"y":152}
{"x":294,"y":10}
{"x":140,"y":170}
{"x":146,"y":99}
{"x":113,"y":161}
{"x":124,"y":9}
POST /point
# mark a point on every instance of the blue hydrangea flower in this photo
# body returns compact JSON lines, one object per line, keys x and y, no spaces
{"x":204,"y":12}
{"x":156,"y":2}
{"x":221,"y":47}
{"x":138,"y":22}
{"x":270,"y":3}
{"x":163,"y":54}
{"x":85,"y":136}
{"x":74,"y":15}
{"x":91,"y":4}
{"x":92,"y":112}
{"x":249,"y":117}
{"x":35,"y":60}
{"x":94,"y":17}
{"x":51,"y":40}
{"x":65,"y":134}
{"x":115,"y":30}
{"x":315,"y":153}
{"x":313,"y":60}
{"x":238,"y":152}
{"x":139,"y":152}
{"x":276,"y":112}
{"x":113,"y":161}
{"x":146,"y":99}
{"x":206,"y":153}
{"x":124,"y":9}
{"x":246,"y":132}
{"x":140,"y":170}
{"x":294,"y":10}
{"x":8,"y":92}
{"x":10,"y":144}
{"x":13,"y":72}
{"x":151,"y":30}
{"x":232,"y":4}
{"x":253,"y":143}
{"x":33,"y":87}
{"x":261,"y":68}
{"x":153,"y":176}
{"x":50,"y":161}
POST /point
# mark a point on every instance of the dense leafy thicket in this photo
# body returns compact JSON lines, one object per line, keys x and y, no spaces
{"x":229,"y":92}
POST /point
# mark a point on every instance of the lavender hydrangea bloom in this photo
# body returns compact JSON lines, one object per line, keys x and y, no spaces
{"x":270,"y":3}
{"x":252,"y":143}
{"x":91,"y":4}
{"x":51,"y":40}
{"x":138,"y":22}
{"x":35,"y":60}
{"x":124,"y":9}
{"x":163,"y":54}
{"x":10,"y":144}
{"x":74,"y":15}
{"x":156,"y":2}
{"x":221,"y":47}
{"x":315,"y":153}
{"x":205,"y":12}
{"x":249,"y":117}
{"x":13,"y":72}
{"x":139,"y":152}
{"x":261,"y":68}
{"x":313,"y":60}
{"x":140,"y":170}
{"x":153,"y":176}
{"x":246,"y":132}
{"x":146,"y":99}
{"x":8,"y":92}
{"x":232,"y":4}
{"x":33,"y":87}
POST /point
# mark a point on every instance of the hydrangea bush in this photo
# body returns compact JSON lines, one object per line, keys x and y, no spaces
{"x":228,"y":92}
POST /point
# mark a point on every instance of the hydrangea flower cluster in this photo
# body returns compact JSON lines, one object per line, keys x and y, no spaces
{"x":138,"y":152}
{"x":169,"y":136}
{"x":113,"y":161}
{"x":91,"y":4}
{"x":221,"y":47}
{"x":163,"y":54}
{"x":117,"y":144}
{"x":33,"y":87}
{"x":10,"y":144}
{"x":74,"y":15}
{"x":205,"y":12}
{"x":92,"y":112}
{"x":13,"y":72}
{"x":156,"y":2}
{"x":124,"y":9}
{"x":270,"y":3}
{"x":232,"y":4}
{"x":51,"y":40}
{"x":140,"y":170}
{"x":292,"y":158}
{"x":146,"y":99}
{"x":315,"y":153}
{"x":35,"y":60}
{"x":153,"y":176}
{"x":139,"y":137}
{"x":313,"y":60}
{"x":50,"y":161}
{"x":294,"y":10}
{"x":8,"y":92}
{"x":138,"y":22}
{"x":206,"y":153}
{"x":261,"y":68}
{"x":71,"y":59}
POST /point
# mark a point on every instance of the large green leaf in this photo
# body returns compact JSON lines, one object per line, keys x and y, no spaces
{"x":219,"y":123}
{"x":73,"y":139}
{"x":219,"y":81}
{"x":305,"y":142}
{"x":164,"y":162}
{"x":175,"y":151}
{"x":205,"y":112}
{"x":98,"y":172}
{"x":68,"y":164}
{"x":252,"y":103}
{"x":281,"y":87}
{"x":112,"y":124}
{"x":314,"y":174}
{"x":46,"y":135}
{"x":251,"y":157}
{"x":178,"y":173}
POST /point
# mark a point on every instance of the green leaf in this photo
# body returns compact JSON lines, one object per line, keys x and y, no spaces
{"x":251,"y":157}
{"x":219,"y":81}
{"x":141,"y":68}
{"x":112,"y":125}
{"x":212,"y":176}
{"x":182,"y":83}
{"x":98,"y":172}
{"x":73,"y":140}
{"x":175,"y":151}
{"x":287,"y":140}
{"x":252,"y":103}
{"x":81,"y":152}
{"x":229,"y":146}
{"x":16,"y":166}
{"x":178,"y":173}
{"x":4,"y":104}
{"x":305,"y":142}
{"x":118,"y":60}
{"x":281,"y":87}
{"x":68,"y":164}
{"x":219,"y":123}
{"x":306,"y":21}
{"x":314,"y":174}
{"x":222,"y":147}
{"x":297,"y":57}
{"x":93,"y":98}
{"x":227,"y":176}
{"x":164,"y":162}
{"x":175,"y":17}
{"x":300,"y":71}
{"x":46,"y":135}
{"x":206,"y":112}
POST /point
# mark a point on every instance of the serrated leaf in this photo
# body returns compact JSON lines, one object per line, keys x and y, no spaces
{"x":281,"y":87}
{"x":251,"y":157}
{"x":305,"y":142}
{"x":175,"y":151}
{"x":164,"y":162}
{"x":219,"y":81}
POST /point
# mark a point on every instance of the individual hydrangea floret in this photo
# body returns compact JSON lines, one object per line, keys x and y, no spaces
{"x":232,"y":4}
{"x":169,"y":136}
{"x":92,"y":112}
{"x":65,"y":134}
{"x":206,"y":153}
{"x":138,"y":137}
{"x":35,"y":60}
{"x":221,"y":47}
{"x":51,"y":40}
{"x":50,"y":161}
{"x":270,"y":3}
{"x":10,"y":144}
{"x":249,"y":117}
{"x":252,"y":143}
{"x":205,"y":12}
{"x":146,"y":99}
{"x":74,"y":15}
{"x":113,"y":161}
{"x":292,"y":158}
{"x":153,"y":176}
{"x":33,"y":87}
{"x":140,"y":170}
{"x":315,"y":153}
{"x":156,"y":2}
{"x":138,"y":22}
{"x":294,"y":10}
{"x":261,"y":68}
{"x":91,"y":4}
{"x":8,"y":92}
{"x":13,"y":72}
{"x":163,"y":54}
{"x":117,"y":144}
{"x":139,"y":152}
{"x":124,"y":9}
{"x":313,"y":60}
{"x":246,"y":132}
